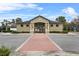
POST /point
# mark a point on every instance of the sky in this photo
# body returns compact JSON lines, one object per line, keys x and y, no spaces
{"x":27,"y":11}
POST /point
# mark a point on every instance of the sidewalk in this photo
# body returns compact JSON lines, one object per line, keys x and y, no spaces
{"x":38,"y":43}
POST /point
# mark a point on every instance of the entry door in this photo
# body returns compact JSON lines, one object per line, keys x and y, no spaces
{"x":39,"y":27}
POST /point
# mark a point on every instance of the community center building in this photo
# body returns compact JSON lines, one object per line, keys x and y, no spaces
{"x":39,"y":24}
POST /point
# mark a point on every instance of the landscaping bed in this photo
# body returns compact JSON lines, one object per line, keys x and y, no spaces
{"x":58,"y":32}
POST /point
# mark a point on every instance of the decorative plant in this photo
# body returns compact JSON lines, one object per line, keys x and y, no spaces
{"x":4,"y":51}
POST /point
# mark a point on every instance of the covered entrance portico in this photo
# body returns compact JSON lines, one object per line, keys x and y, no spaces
{"x":39,"y":27}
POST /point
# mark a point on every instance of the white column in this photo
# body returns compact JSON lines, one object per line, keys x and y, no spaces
{"x":48,"y":27}
{"x":31,"y":28}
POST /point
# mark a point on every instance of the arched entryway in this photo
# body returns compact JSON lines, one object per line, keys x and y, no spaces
{"x":39,"y":27}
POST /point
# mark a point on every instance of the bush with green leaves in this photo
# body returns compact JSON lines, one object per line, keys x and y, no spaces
{"x":59,"y":31}
{"x":4,"y":51}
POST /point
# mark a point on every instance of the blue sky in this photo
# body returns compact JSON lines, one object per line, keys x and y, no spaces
{"x":27,"y":11}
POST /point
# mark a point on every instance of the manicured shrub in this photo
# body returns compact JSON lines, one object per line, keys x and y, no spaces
{"x":15,"y":32}
{"x":25,"y":32}
{"x":4,"y":51}
{"x":58,"y":32}
{"x":6,"y":31}
{"x":19,"y":32}
{"x":65,"y":31}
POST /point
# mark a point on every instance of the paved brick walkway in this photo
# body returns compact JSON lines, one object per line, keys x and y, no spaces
{"x":38,"y":42}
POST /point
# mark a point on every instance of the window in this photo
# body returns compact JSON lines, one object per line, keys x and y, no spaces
{"x":21,"y":25}
{"x":51,"y":25}
{"x":27,"y":25}
{"x":57,"y":25}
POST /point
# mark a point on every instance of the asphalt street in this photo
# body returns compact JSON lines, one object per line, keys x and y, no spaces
{"x":69,"y":43}
{"x":12,"y":41}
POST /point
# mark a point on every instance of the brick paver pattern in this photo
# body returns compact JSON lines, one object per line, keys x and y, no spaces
{"x":39,"y":42}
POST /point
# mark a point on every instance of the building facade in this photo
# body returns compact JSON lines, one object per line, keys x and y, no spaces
{"x":39,"y":24}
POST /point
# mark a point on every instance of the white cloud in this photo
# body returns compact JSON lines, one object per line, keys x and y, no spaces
{"x":9,"y":6}
{"x":52,"y":17}
{"x":70,"y":11}
{"x":29,"y":5}
{"x":16,"y":6}
{"x":40,"y":8}
{"x":33,"y":6}
{"x":14,"y":16}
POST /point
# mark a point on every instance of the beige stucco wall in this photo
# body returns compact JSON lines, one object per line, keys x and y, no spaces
{"x":23,"y":29}
{"x":48,"y":27}
{"x":39,"y":19}
{"x":54,"y":28}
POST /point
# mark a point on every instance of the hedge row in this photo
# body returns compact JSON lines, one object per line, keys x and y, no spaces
{"x":10,"y":31}
{"x":65,"y":31}
{"x":58,"y":32}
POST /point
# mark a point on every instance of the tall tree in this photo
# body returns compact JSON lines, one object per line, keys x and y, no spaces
{"x":3,"y":27}
{"x":6,"y":24}
{"x":18,"y":20}
{"x":13,"y":20}
{"x":61,"y":19}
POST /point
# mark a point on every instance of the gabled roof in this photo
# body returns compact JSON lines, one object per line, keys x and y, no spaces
{"x":50,"y":21}
{"x":26,"y":22}
{"x":54,"y":22}
{"x":39,"y":16}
